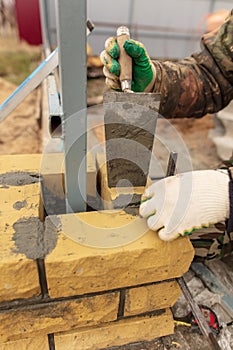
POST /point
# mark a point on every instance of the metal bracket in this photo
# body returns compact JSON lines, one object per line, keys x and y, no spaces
{"x":55,"y":108}
{"x":33,"y":81}
{"x":29,"y":84}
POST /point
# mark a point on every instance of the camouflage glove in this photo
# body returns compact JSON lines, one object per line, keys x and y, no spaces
{"x":178,"y":205}
{"x":143,"y":70}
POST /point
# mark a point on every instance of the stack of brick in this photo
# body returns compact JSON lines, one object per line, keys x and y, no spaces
{"x":58,"y":290}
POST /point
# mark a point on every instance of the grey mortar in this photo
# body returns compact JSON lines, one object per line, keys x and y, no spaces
{"x":18,"y":178}
{"x":125,"y":200}
{"x":20,"y":205}
{"x":34,"y":238}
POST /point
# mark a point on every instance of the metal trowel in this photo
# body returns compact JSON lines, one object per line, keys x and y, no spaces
{"x":130,"y":121}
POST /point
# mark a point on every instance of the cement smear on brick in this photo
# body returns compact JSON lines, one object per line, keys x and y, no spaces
{"x":34,"y":238}
{"x":20,"y":205}
{"x":18,"y":178}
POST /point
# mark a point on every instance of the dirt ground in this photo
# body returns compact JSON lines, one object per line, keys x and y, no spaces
{"x":20,"y":131}
{"x":195,"y":135}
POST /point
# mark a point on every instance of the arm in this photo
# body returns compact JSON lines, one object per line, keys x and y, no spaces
{"x":193,"y":87}
{"x":202,"y":83}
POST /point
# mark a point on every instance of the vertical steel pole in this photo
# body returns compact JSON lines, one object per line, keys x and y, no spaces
{"x":71,"y":24}
{"x":44,"y":27}
{"x":212,"y":6}
{"x":131,"y":14}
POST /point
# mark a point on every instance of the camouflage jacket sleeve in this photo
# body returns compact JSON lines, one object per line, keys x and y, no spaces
{"x":202,"y":83}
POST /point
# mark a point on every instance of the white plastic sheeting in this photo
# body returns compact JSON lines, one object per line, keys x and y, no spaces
{"x":168,"y":28}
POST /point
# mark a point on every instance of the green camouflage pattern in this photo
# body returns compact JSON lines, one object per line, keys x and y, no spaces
{"x":213,"y":242}
{"x":193,"y":87}
{"x":202,"y":83}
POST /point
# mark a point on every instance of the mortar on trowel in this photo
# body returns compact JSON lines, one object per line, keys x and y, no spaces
{"x":130,"y":121}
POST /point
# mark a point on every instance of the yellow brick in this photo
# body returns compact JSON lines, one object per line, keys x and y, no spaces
{"x":148,"y":298}
{"x":50,"y":163}
{"x":37,"y":343}
{"x":18,"y":274}
{"x":54,"y":181}
{"x":108,"y":194}
{"x":73,"y":268}
{"x":20,"y":162}
{"x":19,"y":201}
{"x":55,"y":184}
{"x":58,"y":316}
{"x":91,"y":175}
{"x":51,"y":167}
{"x":118,"y":333}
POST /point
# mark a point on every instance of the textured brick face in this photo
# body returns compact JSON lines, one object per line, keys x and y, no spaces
{"x":58,"y":316}
{"x":95,"y":294}
{"x":153,"y":297}
{"x":73,"y":268}
{"x":19,"y":276}
{"x":38,"y":343}
{"x":116,"y":334}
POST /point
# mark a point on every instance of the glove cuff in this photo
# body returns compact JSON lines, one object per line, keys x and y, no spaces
{"x":150,"y":86}
{"x":158,"y":80}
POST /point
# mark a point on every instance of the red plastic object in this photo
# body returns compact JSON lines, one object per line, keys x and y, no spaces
{"x":28,"y":21}
{"x":211,"y":318}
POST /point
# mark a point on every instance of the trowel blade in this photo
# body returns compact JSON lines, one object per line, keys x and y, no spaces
{"x":130,"y":121}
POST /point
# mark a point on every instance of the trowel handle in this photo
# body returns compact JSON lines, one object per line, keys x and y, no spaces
{"x":124,"y":60}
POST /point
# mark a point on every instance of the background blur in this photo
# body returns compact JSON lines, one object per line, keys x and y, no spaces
{"x":168,"y":28}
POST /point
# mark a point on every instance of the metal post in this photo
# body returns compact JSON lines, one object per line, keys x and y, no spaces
{"x":212,"y":6}
{"x":131,"y":15}
{"x":44,"y":27}
{"x":71,"y":17}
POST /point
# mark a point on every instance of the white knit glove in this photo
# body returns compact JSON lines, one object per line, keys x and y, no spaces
{"x":177,"y":205}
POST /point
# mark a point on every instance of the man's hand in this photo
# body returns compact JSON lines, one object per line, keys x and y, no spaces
{"x":178,"y":205}
{"x":143,"y":69}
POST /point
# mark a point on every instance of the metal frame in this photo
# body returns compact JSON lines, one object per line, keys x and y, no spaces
{"x":29,"y":84}
{"x":44,"y":26}
{"x":73,"y":82}
{"x":71,"y":53}
{"x":53,"y":96}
